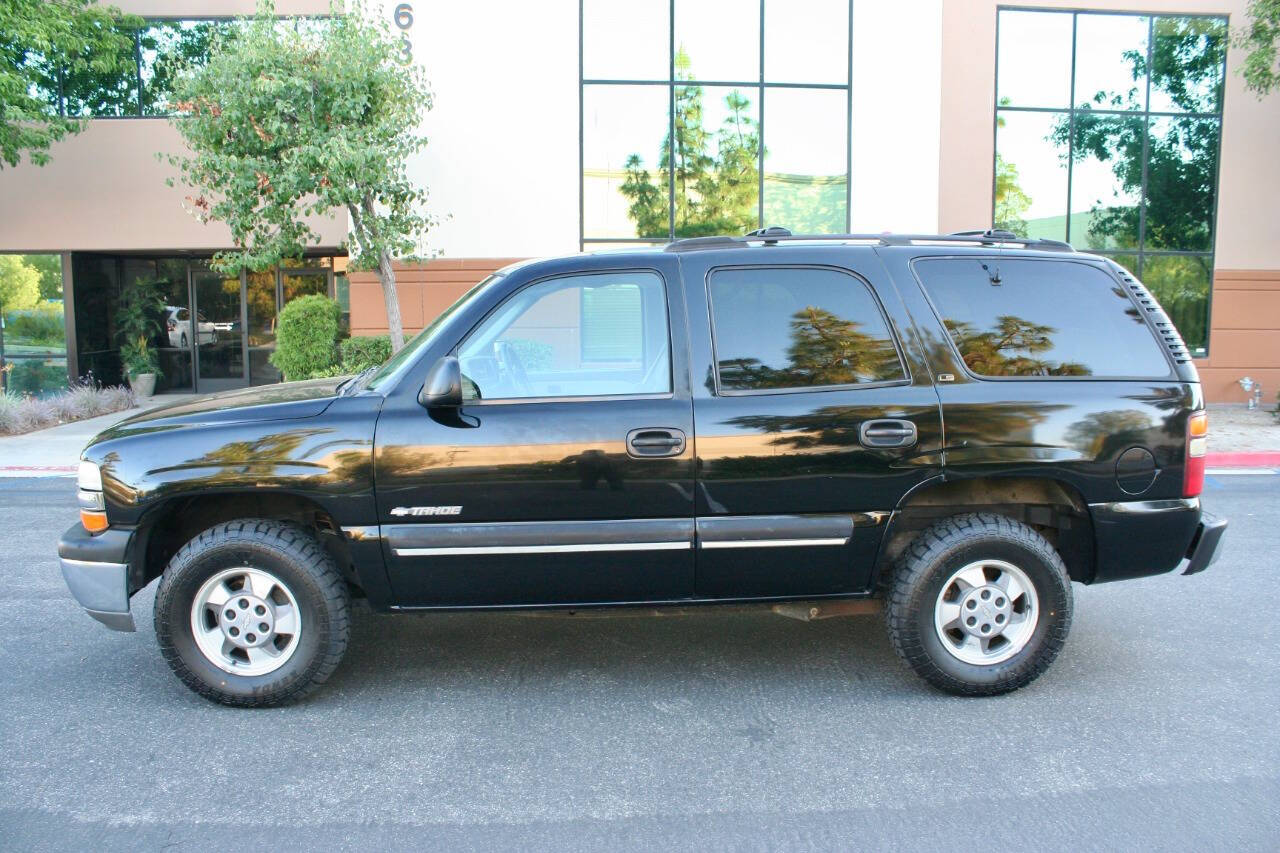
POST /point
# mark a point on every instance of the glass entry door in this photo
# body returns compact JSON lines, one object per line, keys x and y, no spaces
{"x":218,"y":330}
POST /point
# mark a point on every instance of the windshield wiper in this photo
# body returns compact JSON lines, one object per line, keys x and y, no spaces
{"x":353,"y":384}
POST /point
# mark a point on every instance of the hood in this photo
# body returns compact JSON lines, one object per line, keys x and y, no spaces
{"x":283,"y":401}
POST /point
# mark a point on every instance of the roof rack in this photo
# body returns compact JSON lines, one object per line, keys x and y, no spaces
{"x":774,"y":235}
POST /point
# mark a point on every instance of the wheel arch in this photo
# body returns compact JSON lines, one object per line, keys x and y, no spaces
{"x":1051,"y":506}
{"x":168,"y":526}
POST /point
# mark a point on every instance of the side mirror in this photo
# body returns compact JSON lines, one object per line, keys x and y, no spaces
{"x":443,"y":388}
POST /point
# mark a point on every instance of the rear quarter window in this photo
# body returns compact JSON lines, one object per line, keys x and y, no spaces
{"x":1040,"y":318}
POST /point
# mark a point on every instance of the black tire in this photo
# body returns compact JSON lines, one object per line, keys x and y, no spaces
{"x":294,"y":555}
{"x":929,"y":562}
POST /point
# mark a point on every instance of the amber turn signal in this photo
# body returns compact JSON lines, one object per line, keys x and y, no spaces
{"x":94,"y":522}
{"x":1198,"y":425}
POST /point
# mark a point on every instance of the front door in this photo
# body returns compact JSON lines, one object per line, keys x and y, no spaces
{"x":567,"y":475}
{"x":814,"y":421}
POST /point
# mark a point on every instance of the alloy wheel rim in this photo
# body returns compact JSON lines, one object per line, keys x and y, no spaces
{"x":986,"y":612}
{"x":246,"y":621}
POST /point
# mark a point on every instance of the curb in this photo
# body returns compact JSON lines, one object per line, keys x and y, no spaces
{"x":1244,"y":459}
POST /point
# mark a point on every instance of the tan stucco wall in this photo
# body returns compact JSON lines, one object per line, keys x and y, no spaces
{"x":1245,"y":315}
{"x":425,"y":290}
{"x":104,"y":189}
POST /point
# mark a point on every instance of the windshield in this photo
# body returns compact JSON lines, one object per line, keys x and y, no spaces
{"x":424,"y":338}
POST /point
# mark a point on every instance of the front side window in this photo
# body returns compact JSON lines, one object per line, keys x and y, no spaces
{"x":598,"y":335}
{"x":1108,"y":129}
{"x":780,"y":328}
{"x":1040,"y":318}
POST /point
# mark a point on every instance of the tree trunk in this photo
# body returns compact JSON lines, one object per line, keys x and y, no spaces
{"x":387,"y":275}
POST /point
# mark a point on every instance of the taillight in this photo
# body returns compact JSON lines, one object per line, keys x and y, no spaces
{"x":1197,"y":446}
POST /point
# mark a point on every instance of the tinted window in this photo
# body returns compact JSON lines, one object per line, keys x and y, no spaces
{"x":797,"y":328}
{"x":1040,"y":318}
{"x":579,"y":336}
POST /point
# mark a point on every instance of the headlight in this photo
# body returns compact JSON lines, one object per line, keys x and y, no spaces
{"x":89,"y":477}
{"x":92,"y":504}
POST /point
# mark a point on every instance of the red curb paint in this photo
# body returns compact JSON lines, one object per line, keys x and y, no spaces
{"x":1251,"y":459}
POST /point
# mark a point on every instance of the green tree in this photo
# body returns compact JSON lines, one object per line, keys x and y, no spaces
{"x":1010,"y":349}
{"x":1259,"y":37}
{"x":19,"y":284}
{"x":285,"y":122}
{"x":1012,"y":202}
{"x":1181,"y":161}
{"x":825,"y":350}
{"x":41,"y":42}
{"x":713,"y":194}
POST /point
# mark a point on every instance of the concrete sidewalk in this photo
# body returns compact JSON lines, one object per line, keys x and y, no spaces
{"x":55,"y":451}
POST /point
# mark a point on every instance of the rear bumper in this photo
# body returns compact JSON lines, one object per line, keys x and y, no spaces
{"x":1140,"y":538}
{"x":1205,"y":547}
{"x":96,"y":570}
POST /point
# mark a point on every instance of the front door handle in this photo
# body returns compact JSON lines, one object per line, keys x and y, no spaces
{"x":887,"y":433}
{"x":650,"y":442}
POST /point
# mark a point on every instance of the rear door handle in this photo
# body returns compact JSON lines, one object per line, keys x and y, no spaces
{"x":887,"y":433}
{"x":649,"y":442}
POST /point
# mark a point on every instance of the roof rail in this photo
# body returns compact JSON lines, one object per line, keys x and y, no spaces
{"x":773,"y":236}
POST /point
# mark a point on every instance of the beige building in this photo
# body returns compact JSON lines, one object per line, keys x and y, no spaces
{"x":1085,"y":122}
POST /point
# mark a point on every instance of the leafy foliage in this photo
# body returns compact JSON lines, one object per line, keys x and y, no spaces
{"x":713,"y":194}
{"x":1010,"y":349}
{"x":139,"y":316}
{"x":1261,"y":67}
{"x":1181,"y":154}
{"x":41,"y":326}
{"x":363,"y":352}
{"x":306,"y":336}
{"x":37,"y":40}
{"x":19,"y":284}
{"x":825,"y":350}
{"x":286,"y":122}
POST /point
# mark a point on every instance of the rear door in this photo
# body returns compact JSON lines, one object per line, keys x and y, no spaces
{"x":567,"y":475}
{"x":814,"y":418}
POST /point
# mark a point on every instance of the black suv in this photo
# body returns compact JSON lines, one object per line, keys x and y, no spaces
{"x":960,"y":425}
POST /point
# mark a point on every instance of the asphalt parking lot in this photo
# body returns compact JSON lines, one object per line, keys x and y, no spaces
{"x":1156,"y":728}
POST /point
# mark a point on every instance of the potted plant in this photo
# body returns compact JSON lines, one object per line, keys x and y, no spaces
{"x":139,"y":317}
{"x":141,"y":364}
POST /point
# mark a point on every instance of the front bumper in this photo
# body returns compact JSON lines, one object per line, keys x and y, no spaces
{"x":1206,"y":544}
{"x":96,"y":569}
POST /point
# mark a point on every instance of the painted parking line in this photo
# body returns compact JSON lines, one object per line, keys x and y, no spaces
{"x":1239,"y":472}
{"x":37,"y":470}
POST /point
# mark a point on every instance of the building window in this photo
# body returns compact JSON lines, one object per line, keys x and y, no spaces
{"x":713,"y":117}
{"x":1108,"y":130}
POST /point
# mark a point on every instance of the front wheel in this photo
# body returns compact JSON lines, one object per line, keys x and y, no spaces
{"x":253,"y":612}
{"x":980,"y":604}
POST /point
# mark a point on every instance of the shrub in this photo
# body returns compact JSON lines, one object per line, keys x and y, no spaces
{"x":361,"y":353}
{"x":41,"y":326}
{"x":306,"y":336}
{"x":82,"y":400}
{"x":32,"y":376}
{"x":329,"y":372}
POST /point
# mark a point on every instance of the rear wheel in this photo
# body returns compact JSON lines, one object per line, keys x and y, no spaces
{"x":980,"y":604}
{"x":253,"y":612}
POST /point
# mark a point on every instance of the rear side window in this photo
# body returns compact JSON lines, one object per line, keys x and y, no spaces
{"x":798,"y":328}
{"x":1023,"y":317}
